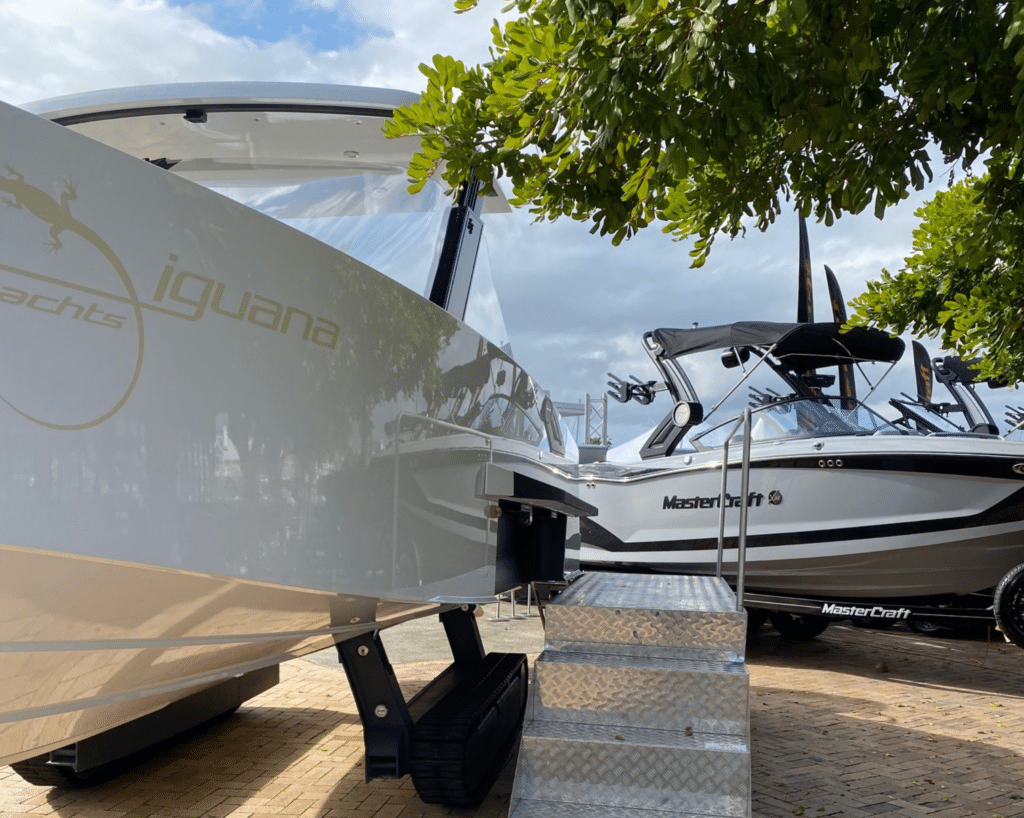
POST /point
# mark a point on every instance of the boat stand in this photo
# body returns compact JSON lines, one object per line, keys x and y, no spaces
{"x":455,"y":735}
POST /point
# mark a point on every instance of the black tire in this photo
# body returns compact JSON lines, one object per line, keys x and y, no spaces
{"x":926,"y":627}
{"x":798,"y":626}
{"x":756,"y":617}
{"x":1009,"y":606}
{"x":875,"y":623}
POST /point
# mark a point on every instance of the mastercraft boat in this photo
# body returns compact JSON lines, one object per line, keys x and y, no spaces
{"x":234,"y":430}
{"x":842,"y":504}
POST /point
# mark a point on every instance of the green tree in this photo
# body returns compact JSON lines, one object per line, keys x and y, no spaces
{"x":964,"y":283}
{"x":706,"y":115}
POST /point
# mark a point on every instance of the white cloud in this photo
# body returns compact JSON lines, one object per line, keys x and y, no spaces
{"x":68,"y":46}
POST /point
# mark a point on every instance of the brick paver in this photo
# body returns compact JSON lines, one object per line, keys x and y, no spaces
{"x":855,"y":723}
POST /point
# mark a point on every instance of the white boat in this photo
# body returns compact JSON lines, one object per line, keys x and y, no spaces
{"x":232,"y":433}
{"x":842,"y":504}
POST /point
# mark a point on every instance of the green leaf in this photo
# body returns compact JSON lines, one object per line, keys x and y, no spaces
{"x":959,"y":96}
{"x":795,"y":139}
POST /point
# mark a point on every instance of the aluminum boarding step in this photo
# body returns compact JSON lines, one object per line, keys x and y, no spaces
{"x":638,"y":705}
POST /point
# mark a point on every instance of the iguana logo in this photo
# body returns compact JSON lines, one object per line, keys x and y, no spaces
{"x":18,"y":194}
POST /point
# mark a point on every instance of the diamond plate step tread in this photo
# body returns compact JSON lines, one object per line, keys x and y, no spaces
{"x":615,"y":629}
{"x":641,"y":651}
{"x":627,"y":736}
{"x":533,"y":808}
{"x":657,"y":592}
{"x":722,"y":663}
{"x":615,"y":690}
{"x":589,"y":765}
{"x":660,"y":610}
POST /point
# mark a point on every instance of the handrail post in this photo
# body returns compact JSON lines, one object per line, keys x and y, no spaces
{"x":721,"y":505}
{"x":721,"y":498}
{"x":741,"y":554}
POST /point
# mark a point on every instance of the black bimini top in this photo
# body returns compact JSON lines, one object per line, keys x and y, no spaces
{"x":798,"y":346}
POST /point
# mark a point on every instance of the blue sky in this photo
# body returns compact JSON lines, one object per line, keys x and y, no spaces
{"x":320,"y":27}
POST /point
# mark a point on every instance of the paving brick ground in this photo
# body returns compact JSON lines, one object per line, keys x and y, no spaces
{"x":855,"y":723}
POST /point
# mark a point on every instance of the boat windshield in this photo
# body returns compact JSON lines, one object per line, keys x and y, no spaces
{"x":373,"y":218}
{"x":797,"y":417}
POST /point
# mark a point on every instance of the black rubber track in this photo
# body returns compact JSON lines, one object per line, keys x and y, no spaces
{"x":37,"y":771}
{"x":460,"y":746}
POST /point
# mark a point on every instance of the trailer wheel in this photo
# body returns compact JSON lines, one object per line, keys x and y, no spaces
{"x":926,"y":627}
{"x":798,"y":626}
{"x":756,"y":617}
{"x":1009,"y":606}
{"x":875,"y":623}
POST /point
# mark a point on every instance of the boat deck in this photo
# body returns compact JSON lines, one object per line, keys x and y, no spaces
{"x":855,"y":722}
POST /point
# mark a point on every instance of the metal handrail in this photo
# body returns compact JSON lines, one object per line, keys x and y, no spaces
{"x":741,"y":555}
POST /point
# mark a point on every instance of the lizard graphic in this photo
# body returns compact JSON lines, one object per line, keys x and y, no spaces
{"x":43,"y":206}
{"x":57,"y":214}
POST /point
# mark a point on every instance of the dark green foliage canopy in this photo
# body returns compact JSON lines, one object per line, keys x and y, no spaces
{"x":703,"y":115}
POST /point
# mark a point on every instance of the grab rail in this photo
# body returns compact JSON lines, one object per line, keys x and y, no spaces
{"x":741,"y":555}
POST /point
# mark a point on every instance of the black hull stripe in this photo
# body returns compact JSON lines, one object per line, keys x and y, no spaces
{"x":992,"y":467}
{"x":1010,"y":510}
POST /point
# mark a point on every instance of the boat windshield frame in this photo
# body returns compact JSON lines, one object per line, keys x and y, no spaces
{"x":809,"y":417}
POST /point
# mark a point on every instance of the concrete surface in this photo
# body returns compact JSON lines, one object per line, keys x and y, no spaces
{"x":854,"y":723}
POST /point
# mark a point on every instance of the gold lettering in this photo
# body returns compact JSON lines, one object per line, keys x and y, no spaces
{"x":35,"y":299}
{"x":198,"y":292}
{"x":67,"y":302}
{"x":218,"y":294}
{"x":165,"y":279}
{"x":274,"y":312}
{"x":288,"y":317}
{"x":9,"y":295}
{"x":200,"y":303}
{"x":326,"y":336}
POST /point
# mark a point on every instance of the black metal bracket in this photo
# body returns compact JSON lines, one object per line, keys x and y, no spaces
{"x":664,"y":439}
{"x":387,"y":723}
{"x":463,"y":634}
{"x":532,"y":524}
{"x":388,"y":720}
{"x":454,"y":274}
{"x":641,"y":391}
{"x":497,"y":483}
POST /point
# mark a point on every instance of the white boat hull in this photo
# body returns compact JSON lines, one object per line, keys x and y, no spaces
{"x":200,"y":410}
{"x":93,"y":643}
{"x":858,"y":518}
